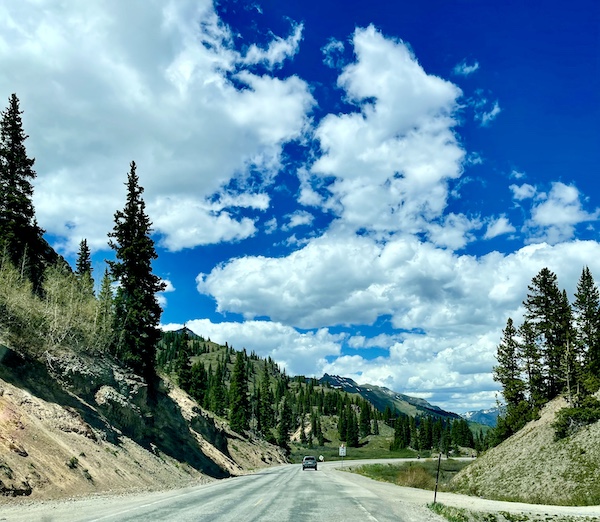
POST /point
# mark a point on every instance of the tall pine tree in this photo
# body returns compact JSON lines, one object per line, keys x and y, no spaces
{"x":547,"y":311}
{"x":587,"y":327}
{"x":265,"y":404}
{"x":239,"y":403}
{"x":105,"y":314}
{"x":137,"y":312}
{"x":508,"y":370}
{"x":83,"y":268}
{"x":21,"y":239}
{"x":285,"y":423}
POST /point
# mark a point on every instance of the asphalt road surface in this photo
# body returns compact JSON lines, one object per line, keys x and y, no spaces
{"x":284,"y":493}
{"x":277,"y":494}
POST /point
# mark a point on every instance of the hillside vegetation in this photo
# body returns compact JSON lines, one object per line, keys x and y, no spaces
{"x":534,"y":466}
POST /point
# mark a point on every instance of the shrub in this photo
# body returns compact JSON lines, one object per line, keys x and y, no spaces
{"x":66,"y":316}
{"x":570,"y":420}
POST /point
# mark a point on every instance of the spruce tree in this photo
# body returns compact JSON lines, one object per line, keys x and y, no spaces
{"x":239,"y":404}
{"x":587,"y":331}
{"x":21,"y":239}
{"x":199,"y":383}
{"x":285,"y":424}
{"x":137,"y":312}
{"x":83,"y":268}
{"x":320,"y":435}
{"x":217,"y":393}
{"x":352,"y":428}
{"x":545,"y":309}
{"x":532,"y":366}
{"x":375,"y":426}
{"x":265,"y":404}
{"x":183,"y":365}
{"x":342,"y":425}
{"x":105,"y":314}
{"x":365,"y":419}
{"x":508,"y":370}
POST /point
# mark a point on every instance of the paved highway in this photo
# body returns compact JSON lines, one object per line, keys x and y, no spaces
{"x":277,"y":494}
{"x":284,"y":493}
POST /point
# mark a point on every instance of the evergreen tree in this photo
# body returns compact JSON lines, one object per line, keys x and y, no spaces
{"x":352,"y":428}
{"x":387,"y":415}
{"x":375,"y":427}
{"x":436,"y":434}
{"x":532,"y":365}
{"x":285,"y":424}
{"x":84,"y":259}
{"x":320,"y":435}
{"x":343,"y":425}
{"x":265,"y":404}
{"x":21,"y":239}
{"x":365,"y":419}
{"x":183,"y":365}
{"x":425,"y":433}
{"x":217,"y":393}
{"x":401,"y":434}
{"x":545,"y":310}
{"x":199,"y":383}
{"x":137,"y":312}
{"x":587,"y":331}
{"x":461,"y":433}
{"x":239,"y":404}
{"x":508,"y":370}
{"x":303,"y":438}
{"x":105,"y":314}
{"x":84,"y":268}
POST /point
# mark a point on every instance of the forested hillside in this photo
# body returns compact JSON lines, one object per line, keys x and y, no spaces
{"x":554,"y":352}
{"x":258,"y":397}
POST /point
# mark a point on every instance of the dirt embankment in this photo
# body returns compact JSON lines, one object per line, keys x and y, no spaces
{"x":532,"y":467}
{"x":74,"y":427}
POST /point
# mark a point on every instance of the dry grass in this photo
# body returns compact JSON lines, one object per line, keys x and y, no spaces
{"x":421,"y":475}
{"x":532,"y":467}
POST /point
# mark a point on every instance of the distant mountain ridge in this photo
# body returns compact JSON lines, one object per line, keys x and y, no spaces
{"x":380,"y":397}
{"x":487,"y":417}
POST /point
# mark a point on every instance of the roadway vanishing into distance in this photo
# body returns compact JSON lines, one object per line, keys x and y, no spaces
{"x":283,"y":493}
{"x":280,"y":493}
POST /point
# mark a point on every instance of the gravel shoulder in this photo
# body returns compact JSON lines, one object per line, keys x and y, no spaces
{"x":424,"y":497}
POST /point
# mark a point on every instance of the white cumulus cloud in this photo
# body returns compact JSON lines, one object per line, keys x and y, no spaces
{"x":497,"y":227}
{"x":554,"y":216}
{"x":464,"y":69}
{"x":397,"y":149}
{"x":106,"y":83}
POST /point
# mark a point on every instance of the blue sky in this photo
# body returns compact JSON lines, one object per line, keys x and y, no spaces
{"x":359,"y":188}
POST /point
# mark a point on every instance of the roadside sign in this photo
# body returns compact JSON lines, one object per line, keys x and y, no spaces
{"x":342,"y":451}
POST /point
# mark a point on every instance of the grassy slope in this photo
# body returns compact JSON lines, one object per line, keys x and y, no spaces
{"x":532,"y":467}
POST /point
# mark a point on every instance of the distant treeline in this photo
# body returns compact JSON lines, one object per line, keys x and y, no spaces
{"x":220,"y":379}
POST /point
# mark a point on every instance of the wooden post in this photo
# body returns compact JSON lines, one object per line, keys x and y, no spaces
{"x":437,"y":477}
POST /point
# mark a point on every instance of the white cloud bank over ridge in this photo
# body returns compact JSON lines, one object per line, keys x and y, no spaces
{"x":451,"y":307}
{"x":163,"y":83}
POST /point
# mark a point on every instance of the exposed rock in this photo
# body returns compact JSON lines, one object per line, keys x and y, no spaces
{"x":15,"y":490}
{"x":18,"y":449}
{"x":91,"y":411}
